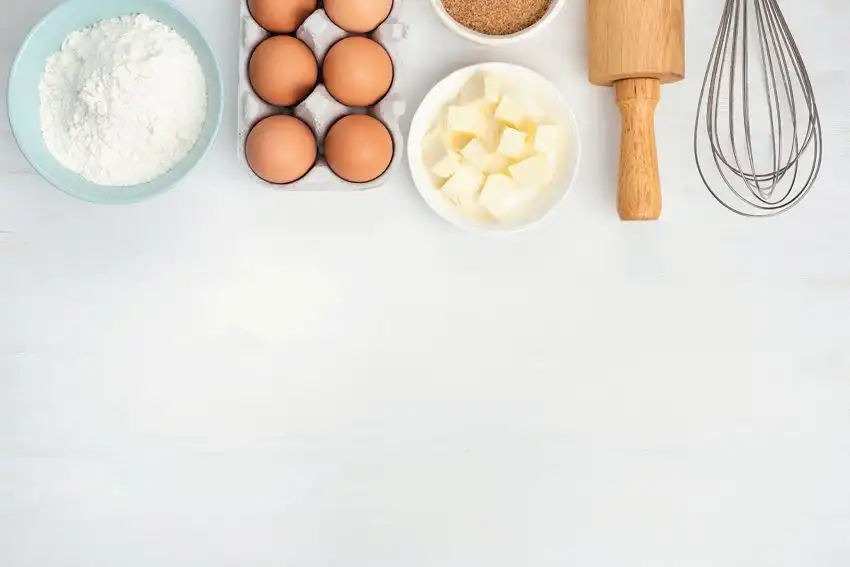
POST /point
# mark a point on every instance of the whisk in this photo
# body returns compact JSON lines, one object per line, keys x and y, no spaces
{"x":766,"y":151}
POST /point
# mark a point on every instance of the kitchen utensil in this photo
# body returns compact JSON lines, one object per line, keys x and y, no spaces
{"x":765,"y":142}
{"x":320,"y":110}
{"x":556,"y":106}
{"x":636,"y":46}
{"x":497,"y":40}
{"x":23,"y":98}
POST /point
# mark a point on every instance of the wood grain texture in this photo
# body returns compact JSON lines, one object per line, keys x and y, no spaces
{"x":639,"y":194}
{"x":635,"y":46}
{"x":636,"y":38}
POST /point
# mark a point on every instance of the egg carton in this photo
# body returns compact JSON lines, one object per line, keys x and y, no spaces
{"x":320,"y":110}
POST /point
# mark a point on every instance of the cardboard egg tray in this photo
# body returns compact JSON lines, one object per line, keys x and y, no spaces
{"x":320,"y":110}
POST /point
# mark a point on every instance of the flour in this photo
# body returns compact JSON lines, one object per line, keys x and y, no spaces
{"x":123,"y":102}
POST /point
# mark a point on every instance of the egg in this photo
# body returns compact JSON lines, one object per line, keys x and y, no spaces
{"x":358,"y":71}
{"x":359,"y":148}
{"x":358,"y":16}
{"x":283,"y":70}
{"x":281,"y":16}
{"x":281,"y":149}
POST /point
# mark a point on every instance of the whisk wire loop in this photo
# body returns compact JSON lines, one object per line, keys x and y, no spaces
{"x":746,"y":182}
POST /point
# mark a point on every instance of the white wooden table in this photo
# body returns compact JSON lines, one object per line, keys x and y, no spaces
{"x":226,"y":376}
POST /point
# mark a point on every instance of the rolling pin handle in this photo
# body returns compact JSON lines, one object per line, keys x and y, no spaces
{"x":639,"y":195}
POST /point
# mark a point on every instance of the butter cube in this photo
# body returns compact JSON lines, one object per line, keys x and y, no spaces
{"x":512,"y":143}
{"x":472,"y":91}
{"x":434,"y":148}
{"x":547,"y":140}
{"x":467,"y":120}
{"x":483,"y":91}
{"x":499,"y":195}
{"x":463,"y":186}
{"x":535,"y":171}
{"x":447,"y":166}
{"x":493,"y":136}
{"x":511,"y":111}
{"x":498,"y":164}
{"x":456,"y":140}
{"x":492,"y":89}
{"x":534,"y":111}
{"x":476,"y":155}
{"x":529,"y":127}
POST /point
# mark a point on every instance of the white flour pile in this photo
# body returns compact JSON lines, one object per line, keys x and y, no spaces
{"x":123,"y":102}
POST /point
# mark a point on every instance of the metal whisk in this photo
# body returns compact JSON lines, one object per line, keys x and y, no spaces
{"x":767,"y":151}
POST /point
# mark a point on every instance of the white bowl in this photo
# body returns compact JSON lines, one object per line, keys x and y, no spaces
{"x":555,"y":6}
{"x":552,"y":102}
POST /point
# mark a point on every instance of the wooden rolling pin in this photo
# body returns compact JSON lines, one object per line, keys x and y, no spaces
{"x":635,"y":46}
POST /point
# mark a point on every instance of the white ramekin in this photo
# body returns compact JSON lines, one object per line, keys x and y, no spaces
{"x":445,"y":91}
{"x":497,"y":40}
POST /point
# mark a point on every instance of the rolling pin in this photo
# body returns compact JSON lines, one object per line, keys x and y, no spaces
{"x":636,"y":46}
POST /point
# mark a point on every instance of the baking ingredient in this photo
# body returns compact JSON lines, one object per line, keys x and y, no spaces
{"x":358,"y":71}
{"x":497,"y":17}
{"x":283,"y":70}
{"x":513,"y":143}
{"x":447,"y":165}
{"x":498,"y":194}
{"x":123,"y":101}
{"x":359,"y":148}
{"x":358,"y":16}
{"x":281,"y":149}
{"x":443,"y":158}
{"x":476,"y":155}
{"x":532,"y":172}
{"x":463,"y":186}
{"x":547,"y":140}
{"x":281,"y":16}
{"x":483,"y":90}
{"x":492,"y":152}
{"x":511,"y":111}
{"x":468,"y":119}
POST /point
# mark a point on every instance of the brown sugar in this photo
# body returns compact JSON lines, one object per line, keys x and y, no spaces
{"x":497,"y":17}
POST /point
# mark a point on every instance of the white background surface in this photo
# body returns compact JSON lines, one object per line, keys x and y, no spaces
{"x":226,"y":376}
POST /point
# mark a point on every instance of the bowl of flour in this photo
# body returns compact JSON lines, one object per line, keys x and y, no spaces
{"x":114,"y":102}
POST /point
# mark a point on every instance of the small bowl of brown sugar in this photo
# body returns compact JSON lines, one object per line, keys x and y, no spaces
{"x":497,"y":22}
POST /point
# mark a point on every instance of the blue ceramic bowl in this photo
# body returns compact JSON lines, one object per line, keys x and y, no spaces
{"x":23,"y":98}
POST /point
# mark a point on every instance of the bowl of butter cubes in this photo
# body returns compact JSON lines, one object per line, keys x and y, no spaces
{"x":494,"y":147}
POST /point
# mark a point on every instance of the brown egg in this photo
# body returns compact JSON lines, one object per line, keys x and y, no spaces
{"x":283,"y":70}
{"x":281,"y":149}
{"x":358,"y":16}
{"x":358,"y":71}
{"x":358,"y":148}
{"x":281,"y":16}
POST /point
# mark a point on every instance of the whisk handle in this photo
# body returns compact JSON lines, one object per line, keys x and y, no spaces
{"x":639,"y":196}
